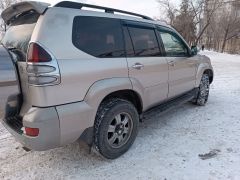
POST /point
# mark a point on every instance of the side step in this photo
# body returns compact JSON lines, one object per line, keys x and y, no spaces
{"x":172,"y":103}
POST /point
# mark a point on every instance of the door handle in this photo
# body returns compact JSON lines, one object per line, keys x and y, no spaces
{"x":138,"y":66}
{"x":171,"y":63}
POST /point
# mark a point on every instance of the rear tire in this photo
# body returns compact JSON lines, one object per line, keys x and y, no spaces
{"x":203,"y":92}
{"x":116,"y":127}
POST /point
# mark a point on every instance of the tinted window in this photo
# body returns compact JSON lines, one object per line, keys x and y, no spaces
{"x":144,"y":41}
{"x":99,"y":37}
{"x":173,"y":44}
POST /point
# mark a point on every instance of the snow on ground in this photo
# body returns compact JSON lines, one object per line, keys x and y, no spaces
{"x":167,"y":146}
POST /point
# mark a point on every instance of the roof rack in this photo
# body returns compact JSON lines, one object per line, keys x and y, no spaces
{"x":75,"y":5}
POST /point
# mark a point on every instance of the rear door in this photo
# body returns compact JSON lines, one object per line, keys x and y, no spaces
{"x":8,"y":79}
{"x":145,"y":62}
{"x":16,"y":41}
{"x":182,"y":67}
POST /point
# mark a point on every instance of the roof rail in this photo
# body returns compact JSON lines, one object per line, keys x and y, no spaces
{"x":75,"y":5}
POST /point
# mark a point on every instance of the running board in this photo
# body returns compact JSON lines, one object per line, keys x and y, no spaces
{"x":171,"y":104}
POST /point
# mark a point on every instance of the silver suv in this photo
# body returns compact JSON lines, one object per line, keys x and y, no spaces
{"x":92,"y":75}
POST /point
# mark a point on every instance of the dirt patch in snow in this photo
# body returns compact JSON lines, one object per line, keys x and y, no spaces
{"x":213,"y":153}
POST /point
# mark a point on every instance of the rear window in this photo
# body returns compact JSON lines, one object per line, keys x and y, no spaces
{"x":99,"y":37}
{"x":20,"y":31}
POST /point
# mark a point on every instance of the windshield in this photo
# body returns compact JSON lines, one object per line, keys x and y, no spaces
{"x":20,"y":31}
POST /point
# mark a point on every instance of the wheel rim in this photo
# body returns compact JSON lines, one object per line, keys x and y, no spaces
{"x":119,"y":130}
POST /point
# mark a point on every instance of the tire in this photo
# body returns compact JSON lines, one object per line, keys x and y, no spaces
{"x":203,"y":92}
{"x":116,"y":127}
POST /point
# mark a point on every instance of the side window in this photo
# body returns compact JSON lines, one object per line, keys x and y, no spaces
{"x":144,"y":42}
{"x":99,"y":37}
{"x":173,"y":44}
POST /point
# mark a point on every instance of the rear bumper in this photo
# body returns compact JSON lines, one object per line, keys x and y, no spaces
{"x":57,"y":126}
{"x":46,"y":119}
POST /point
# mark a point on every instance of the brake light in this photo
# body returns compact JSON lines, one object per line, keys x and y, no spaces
{"x":31,"y":131}
{"x":36,"y":54}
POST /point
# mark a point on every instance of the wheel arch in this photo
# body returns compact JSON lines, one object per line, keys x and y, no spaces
{"x":129,"y":95}
{"x":209,"y":72}
{"x":112,"y":88}
{"x":204,"y":68}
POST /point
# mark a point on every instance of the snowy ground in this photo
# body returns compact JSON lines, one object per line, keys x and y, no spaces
{"x":167,"y":146}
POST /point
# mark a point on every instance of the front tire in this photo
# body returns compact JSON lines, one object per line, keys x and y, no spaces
{"x":203,"y":92}
{"x":116,"y":127}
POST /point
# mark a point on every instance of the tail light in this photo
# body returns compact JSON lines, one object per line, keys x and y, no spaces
{"x":42,"y":69}
{"x":41,"y":80}
{"x":36,"y":54}
{"x":33,"y":132}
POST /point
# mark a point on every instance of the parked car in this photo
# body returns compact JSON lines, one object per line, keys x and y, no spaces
{"x":91,"y":75}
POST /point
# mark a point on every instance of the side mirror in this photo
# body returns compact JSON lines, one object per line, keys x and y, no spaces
{"x":194,"y":50}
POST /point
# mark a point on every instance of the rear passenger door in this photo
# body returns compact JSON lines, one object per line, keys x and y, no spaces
{"x":182,"y":67}
{"x":147,"y":67}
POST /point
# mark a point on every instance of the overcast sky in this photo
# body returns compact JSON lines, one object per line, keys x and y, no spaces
{"x":146,"y":7}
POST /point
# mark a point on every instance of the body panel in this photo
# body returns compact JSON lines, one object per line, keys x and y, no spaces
{"x":182,"y":74}
{"x":153,"y":78}
{"x":74,"y":118}
{"x":77,"y":75}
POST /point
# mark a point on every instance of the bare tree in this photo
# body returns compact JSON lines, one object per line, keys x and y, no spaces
{"x":180,"y":18}
{"x":215,"y":23}
{"x":184,"y":22}
{"x":170,"y":10}
{"x":197,"y":11}
{"x":203,"y":11}
{"x":223,"y":32}
{"x":230,"y":24}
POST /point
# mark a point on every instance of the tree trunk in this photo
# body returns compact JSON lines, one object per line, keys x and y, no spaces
{"x":201,"y":33}
{"x":224,"y":40}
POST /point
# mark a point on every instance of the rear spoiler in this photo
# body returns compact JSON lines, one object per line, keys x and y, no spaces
{"x":17,"y":9}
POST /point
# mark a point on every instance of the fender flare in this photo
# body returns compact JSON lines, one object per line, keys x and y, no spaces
{"x":200,"y":70}
{"x":100,"y":89}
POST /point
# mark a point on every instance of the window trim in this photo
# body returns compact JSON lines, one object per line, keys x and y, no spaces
{"x":124,"y":39}
{"x":140,"y":25}
{"x":175,"y":34}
